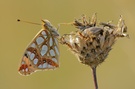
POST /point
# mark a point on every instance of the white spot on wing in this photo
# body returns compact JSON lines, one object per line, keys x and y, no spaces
{"x":56,"y":49}
{"x":32,"y":56}
{"x":45,"y":65}
{"x":44,"y":34}
{"x":51,"y":42}
{"x":39,"y":40}
{"x":35,"y":61}
{"x":44,"y":50}
{"x":28,"y":52}
{"x":54,"y":59}
{"x":40,"y":66}
{"x":50,"y":66}
{"x":22,"y":62}
{"x":33,"y":45}
{"x":26,"y":69}
{"x":52,"y":52}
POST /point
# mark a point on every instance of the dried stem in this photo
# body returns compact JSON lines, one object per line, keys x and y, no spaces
{"x":95,"y":77}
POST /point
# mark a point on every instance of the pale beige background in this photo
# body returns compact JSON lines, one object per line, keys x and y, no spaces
{"x":117,"y":72}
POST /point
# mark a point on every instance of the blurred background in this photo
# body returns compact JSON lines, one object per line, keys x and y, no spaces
{"x":117,"y":72}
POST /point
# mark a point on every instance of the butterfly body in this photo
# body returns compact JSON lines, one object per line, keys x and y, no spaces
{"x":43,"y":52}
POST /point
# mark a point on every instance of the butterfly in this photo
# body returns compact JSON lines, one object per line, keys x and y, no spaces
{"x":42,"y":52}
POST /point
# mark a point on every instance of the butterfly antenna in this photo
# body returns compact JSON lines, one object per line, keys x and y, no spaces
{"x":63,"y":24}
{"x":28,"y":22}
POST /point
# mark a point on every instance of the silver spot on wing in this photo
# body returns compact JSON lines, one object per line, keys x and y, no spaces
{"x":40,"y":66}
{"x":45,"y":65}
{"x":35,"y":61}
{"x":50,"y":66}
{"x":51,"y":41}
{"x":56,"y":49}
{"x":29,"y":53}
{"x":52,"y":53}
{"x":33,"y":45}
{"x":39,"y":40}
{"x":44,"y":50}
{"x":55,"y":60}
{"x":32,"y":55}
{"x":44,"y":34}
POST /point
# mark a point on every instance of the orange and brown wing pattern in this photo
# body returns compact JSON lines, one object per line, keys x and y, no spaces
{"x":42,"y":53}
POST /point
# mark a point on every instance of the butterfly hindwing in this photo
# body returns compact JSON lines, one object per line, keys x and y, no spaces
{"x":42,"y":53}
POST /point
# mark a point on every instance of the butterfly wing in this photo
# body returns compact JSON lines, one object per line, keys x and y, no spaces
{"x":42,"y":53}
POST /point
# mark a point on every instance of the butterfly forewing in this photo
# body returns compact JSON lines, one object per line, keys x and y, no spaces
{"x":42,"y":53}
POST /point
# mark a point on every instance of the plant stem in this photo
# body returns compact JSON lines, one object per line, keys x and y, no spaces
{"x":95,"y":77}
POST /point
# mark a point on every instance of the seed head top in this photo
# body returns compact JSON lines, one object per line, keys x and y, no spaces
{"x":92,"y":42}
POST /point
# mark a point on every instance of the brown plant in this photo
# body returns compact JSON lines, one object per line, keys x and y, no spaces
{"x":92,"y":42}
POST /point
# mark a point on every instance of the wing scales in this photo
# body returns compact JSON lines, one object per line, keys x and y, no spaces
{"x":42,"y":53}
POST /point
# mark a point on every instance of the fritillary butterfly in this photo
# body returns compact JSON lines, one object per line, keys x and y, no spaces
{"x":43,"y":52}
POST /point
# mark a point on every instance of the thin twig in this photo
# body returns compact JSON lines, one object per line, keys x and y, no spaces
{"x":95,"y":77}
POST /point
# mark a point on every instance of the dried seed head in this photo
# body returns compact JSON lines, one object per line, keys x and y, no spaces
{"x":91,"y":42}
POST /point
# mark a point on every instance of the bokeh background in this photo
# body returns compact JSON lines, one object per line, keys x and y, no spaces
{"x":117,"y":72}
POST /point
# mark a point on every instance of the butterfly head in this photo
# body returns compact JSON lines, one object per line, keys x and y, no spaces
{"x":50,"y":27}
